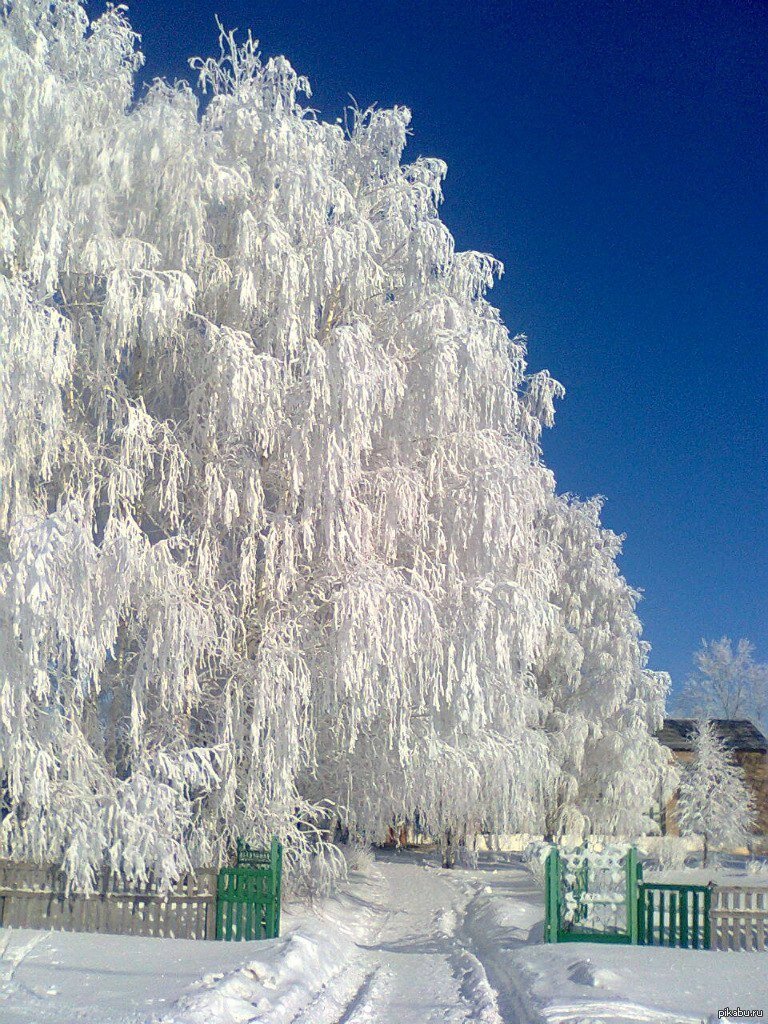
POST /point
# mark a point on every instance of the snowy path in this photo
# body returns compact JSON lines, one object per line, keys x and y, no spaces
{"x":416,"y":968}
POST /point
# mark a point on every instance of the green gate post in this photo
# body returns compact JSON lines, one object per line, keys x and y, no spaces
{"x":632,"y":868}
{"x":552,"y":894}
{"x":276,"y":862}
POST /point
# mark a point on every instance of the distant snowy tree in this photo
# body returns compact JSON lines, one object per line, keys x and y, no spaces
{"x":728,"y":683}
{"x":714,"y":801}
{"x":275,"y":531}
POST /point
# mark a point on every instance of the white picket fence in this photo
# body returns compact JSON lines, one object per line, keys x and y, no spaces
{"x":739,"y":917}
{"x":36,"y":897}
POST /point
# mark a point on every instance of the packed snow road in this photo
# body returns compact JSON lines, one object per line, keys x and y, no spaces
{"x":417,"y":967}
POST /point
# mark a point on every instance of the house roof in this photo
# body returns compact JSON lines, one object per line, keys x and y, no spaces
{"x":736,"y":733}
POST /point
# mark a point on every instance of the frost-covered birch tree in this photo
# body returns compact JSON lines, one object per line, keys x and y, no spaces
{"x":714,"y":801}
{"x":727,"y":683}
{"x":275,"y":530}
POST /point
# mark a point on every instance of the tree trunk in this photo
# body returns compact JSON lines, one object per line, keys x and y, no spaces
{"x":449,"y":852}
{"x":706,"y":850}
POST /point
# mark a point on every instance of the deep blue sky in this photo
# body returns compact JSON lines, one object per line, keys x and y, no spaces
{"x":613,"y":155}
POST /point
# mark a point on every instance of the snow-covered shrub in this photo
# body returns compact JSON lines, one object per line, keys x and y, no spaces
{"x":534,"y":857}
{"x":275,"y":528}
{"x":313,"y":876}
{"x":359,"y":856}
{"x":671,"y":852}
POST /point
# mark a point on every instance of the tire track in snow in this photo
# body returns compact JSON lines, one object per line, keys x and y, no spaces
{"x":433,"y":976}
{"x":360,"y":1006}
{"x":510,"y":1003}
{"x":333,"y":1003}
{"x":413,"y":967}
{"x":475,"y":988}
{"x":479,"y":996}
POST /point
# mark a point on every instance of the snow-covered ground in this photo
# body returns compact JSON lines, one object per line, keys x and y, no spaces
{"x":586,"y":983}
{"x":409,"y":943}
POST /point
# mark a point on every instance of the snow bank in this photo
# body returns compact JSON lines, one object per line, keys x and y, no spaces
{"x":616,"y":984}
{"x":282,"y":979}
{"x":70,"y":978}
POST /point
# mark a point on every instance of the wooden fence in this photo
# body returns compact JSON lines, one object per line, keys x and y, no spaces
{"x":739,"y":917}
{"x":35,"y":897}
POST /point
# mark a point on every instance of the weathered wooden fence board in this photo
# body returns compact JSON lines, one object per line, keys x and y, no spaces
{"x":739,"y":918}
{"x":36,"y":897}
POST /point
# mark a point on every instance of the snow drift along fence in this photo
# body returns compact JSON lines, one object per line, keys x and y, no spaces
{"x":36,"y":897}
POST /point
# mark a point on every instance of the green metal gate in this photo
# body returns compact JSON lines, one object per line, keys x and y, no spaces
{"x":674,"y":915}
{"x":248,"y":895}
{"x":648,"y":913}
{"x":577,"y":911}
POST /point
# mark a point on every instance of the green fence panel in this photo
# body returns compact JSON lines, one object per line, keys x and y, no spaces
{"x":674,"y":915}
{"x":248,"y":895}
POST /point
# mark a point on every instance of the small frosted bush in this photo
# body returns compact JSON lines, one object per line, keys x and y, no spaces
{"x":359,"y":857}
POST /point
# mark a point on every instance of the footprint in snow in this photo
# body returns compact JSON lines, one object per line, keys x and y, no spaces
{"x":584,"y":972}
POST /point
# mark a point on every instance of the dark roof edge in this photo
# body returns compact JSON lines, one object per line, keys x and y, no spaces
{"x":737,"y":733}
